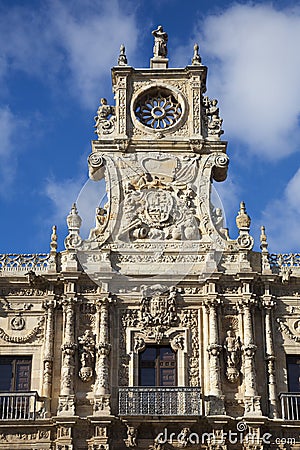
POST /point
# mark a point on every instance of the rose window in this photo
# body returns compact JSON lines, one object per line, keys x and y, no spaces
{"x":158,"y":110}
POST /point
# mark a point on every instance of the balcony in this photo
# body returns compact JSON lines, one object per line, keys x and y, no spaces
{"x":290,"y":405}
{"x":160,"y":401}
{"x":18,"y":406}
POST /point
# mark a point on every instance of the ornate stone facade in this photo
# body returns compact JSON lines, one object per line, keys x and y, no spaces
{"x":158,"y":331}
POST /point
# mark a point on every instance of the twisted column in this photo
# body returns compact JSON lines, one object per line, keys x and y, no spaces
{"x":268,"y":304}
{"x":216,"y":403}
{"x":252,"y":401}
{"x":67,"y":397}
{"x":101,"y":388}
{"x":49,"y":305}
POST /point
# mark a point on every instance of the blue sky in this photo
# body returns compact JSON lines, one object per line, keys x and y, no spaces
{"x":55,"y":61}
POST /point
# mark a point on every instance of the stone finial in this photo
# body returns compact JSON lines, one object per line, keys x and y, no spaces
{"x":196,"y":57}
{"x":243,"y":221}
{"x":53,"y":243}
{"x":73,"y":240}
{"x":263,"y":239}
{"x":74,"y":220}
{"x":122,"y":60}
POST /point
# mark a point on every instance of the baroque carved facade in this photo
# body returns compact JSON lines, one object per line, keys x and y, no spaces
{"x":158,"y":331}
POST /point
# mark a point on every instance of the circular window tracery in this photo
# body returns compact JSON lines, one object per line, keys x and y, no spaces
{"x":158,"y":109}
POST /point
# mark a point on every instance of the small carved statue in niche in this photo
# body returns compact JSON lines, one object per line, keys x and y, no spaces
{"x":131,"y":440}
{"x":160,"y":42}
{"x":87,"y":355}
{"x":232,"y":346}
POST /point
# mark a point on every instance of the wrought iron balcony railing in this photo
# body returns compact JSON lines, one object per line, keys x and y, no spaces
{"x":160,"y":401}
{"x":290,"y":405}
{"x":18,"y":405}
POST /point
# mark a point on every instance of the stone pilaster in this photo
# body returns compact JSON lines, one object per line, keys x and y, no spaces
{"x":252,"y":400}
{"x":102,"y":388}
{"x":268,"y":304}
{"x":216,"y":401}
{"x":49,"y":305}
{"x":66,"y":405}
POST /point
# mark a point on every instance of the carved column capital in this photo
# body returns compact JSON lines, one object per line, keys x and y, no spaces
{"x":249,"y":350}
{"x":212,"y":301}
{"x":268,"y":302}
{"x":214,"y":349}
{"x":248,"y":301}
{"x":103,"y":348}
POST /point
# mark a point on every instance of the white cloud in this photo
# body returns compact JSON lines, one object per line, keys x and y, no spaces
{"x":229,"y":194}
{"x":92,"y":43}
{"x":10,"y":127}
{"x":77,"y":41}
{"x":87,"y":197}
{"x":282,"y":218}
{"x":7,"y":129}
{"x":254,"y":69}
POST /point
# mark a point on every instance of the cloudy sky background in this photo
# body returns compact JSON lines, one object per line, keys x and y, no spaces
{"x":55,"y":60}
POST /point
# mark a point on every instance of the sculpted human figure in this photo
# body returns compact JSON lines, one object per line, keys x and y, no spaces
{"x":232,"y":347}
{"x":160,"y":42}
{"x":87,"y":355}
{"x":104,"y":110}
{"x":105,"y":118}
{"x":131,"y":436}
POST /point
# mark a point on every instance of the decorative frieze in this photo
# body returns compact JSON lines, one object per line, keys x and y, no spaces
{"x":35,"y":333}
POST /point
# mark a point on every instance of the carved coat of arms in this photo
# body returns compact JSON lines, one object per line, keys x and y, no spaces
{"x":159,"y":205}
{"x":158,"y":309}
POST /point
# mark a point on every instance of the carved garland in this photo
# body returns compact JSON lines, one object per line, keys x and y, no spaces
{"x":22,"y":339}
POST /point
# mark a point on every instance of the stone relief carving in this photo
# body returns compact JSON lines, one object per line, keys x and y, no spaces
{"x":66,"y":405}
{"x":287,"y":331}
{"x":160,"y":201}
{"x":158,"y":309}
{"x":188,"y":318}
{"x":139,"y":344}
{"x":105,"y":119}
{"x":232,"y":346}
{"x":35,"y":333}
{"x":10,"y":306}
{"x":178,"y":343}
{"x":131,"y":440}
{"x":17,"y":323}
{"x":86,"y":348}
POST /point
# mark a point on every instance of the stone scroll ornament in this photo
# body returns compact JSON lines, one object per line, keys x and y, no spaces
{"x":87,"y":355}
{"x":232,"y":346}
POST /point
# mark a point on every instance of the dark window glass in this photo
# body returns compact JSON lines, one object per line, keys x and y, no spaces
{"x":157,"y":366}
{"x":293,"y":369}
{"x":15,"y":373}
